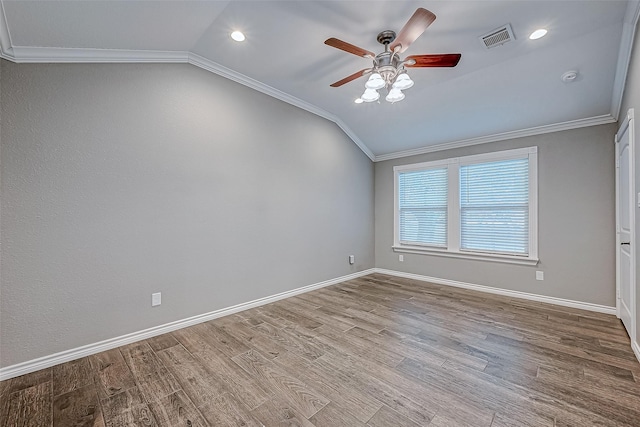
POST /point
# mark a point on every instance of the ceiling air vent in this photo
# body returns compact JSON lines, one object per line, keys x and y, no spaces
{"x":498,"y":37}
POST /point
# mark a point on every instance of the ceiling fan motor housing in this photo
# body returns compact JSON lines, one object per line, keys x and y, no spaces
{"x":388,"y":65}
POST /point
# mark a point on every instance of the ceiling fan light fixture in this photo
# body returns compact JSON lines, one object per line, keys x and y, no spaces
{"x":389,"y":69}
{"x":375,"y":82}
{"x":394,"y":95}
{"x":403,"y":82}
{"x":370,"y":95}
{"x":358,"y":101}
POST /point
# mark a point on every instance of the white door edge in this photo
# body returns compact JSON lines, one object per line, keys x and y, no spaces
{"x":627,"y":125}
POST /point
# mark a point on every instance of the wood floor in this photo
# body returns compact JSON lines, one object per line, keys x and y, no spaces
{"x":375,"y":351}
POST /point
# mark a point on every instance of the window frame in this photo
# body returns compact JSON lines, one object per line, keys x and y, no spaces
{"x":453,"y":207}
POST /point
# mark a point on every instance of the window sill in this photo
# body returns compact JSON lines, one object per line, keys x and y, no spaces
{"x":508,"y":259}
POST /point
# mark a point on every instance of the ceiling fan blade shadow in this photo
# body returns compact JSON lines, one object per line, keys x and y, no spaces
{"x":348,"y":47}
{"x":334,"y":14}
{"x":351,"y":77}
{"x":436,"y":60}
{"x":319,"y":68}
{"x":416,"y":25}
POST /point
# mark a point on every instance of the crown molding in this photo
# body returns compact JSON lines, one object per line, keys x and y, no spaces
{"x":207,"y":64}
{"x":633,"y":12}
{"x":73,"y":55}
{"x":538,"y":130}
{"x":214,"y":67}
{"x":346,"y":129}
{"x":6,"y":47}
{"x":24,"y":54}
{"x":624,"y":55}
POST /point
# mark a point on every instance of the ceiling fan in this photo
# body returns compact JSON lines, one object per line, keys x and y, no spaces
{"x":389,"y":70}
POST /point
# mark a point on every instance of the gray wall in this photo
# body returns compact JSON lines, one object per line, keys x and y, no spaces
{"x":631,"y":99}
{"x":119,"y":180}
{"x":576,"y":198}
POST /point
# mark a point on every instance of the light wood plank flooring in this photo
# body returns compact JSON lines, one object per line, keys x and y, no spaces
{"x":375,"y":351}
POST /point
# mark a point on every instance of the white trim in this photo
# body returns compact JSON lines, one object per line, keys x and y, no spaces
{"x":539,"y":130}
{"x":86,"y":350}
{"x":624,"y":55}
{"x":453,"y":238}
{"x":636,"y":349}
{"x":515,"y":153}
{"x":21,"y":54}
{"x":508,"y":259}
{"x":627,"y":125}
{"x":351,"y":134}
{"x":6,"y":49}
{"x":504,"y":292}
{"x":223,"y":71}
{"x":633,"y":12}
{"x":632,"y":199}
{"x":27,"y":54}
{"x":617,"y":215}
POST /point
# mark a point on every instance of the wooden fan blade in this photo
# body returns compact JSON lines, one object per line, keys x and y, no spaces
{"x":351,"y":77}
{"x":442,"y":60}
{"x":348,"y":47}
{"x":416,"y":25}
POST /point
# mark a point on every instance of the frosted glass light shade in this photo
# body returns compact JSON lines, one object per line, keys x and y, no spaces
{"x":403,"y":81}
{"x":395,"y":95}
{"x":375,"y":82}
{"x":370,"y":95}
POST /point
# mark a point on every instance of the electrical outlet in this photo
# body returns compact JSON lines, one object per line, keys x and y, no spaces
{"x":539,"y":275}
{"x":401,"y":258}
{"x":156,"y":299}
{"x":352,"y":259}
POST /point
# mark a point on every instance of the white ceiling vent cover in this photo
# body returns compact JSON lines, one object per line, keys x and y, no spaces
{"x":498,"y":37}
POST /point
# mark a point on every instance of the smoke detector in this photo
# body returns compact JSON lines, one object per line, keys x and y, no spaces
{"x":569,"y":76}
{"x":497,"y":37}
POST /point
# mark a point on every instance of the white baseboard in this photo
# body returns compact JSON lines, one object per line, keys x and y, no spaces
{"x":636,"y":349}
{"x":505,"y":292}
{"x":86,"y":350}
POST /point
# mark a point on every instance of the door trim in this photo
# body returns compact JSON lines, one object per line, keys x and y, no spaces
{"x":627,"y":123}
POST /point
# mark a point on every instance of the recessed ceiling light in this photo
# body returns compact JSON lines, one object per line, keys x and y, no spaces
{"x":538,"y":34}
{"x":358,"y":101}
{"x":238,"y":36}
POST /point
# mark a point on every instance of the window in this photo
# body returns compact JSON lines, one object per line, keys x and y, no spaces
{"x":482,"y":207}
{"x":423,"y":207}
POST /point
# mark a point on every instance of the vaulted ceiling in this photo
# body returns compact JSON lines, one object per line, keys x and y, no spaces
{"x":507,"y":91}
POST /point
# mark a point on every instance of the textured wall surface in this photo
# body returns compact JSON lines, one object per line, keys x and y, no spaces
{"x":576,"y":207}
{"x":631,"y":99}
{"x":119,"y":180}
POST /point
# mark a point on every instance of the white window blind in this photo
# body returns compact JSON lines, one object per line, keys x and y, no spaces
{"x":422,"y":205}
{"x":494,"y":207}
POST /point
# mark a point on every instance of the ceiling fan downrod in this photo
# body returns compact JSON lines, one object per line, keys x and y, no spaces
{"x":385,"y":38}
{"x":387,"y":64}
